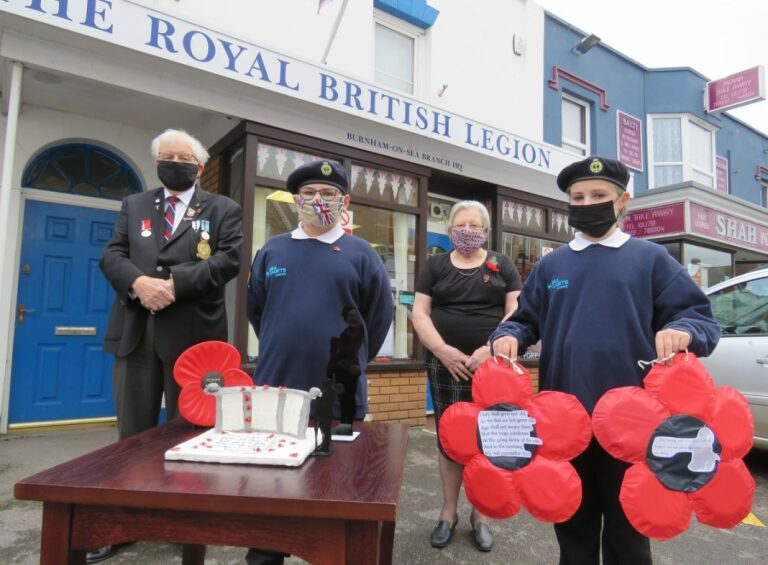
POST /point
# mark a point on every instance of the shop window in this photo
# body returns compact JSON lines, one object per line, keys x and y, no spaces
{"x":392,"y":235}
{"x":523,"y":216}
{"x":706,"y":266}
{"x":682,"y":149}
{"x":526,"y":251}
{"x":385,"y":185}
{"x":575,"y":118}
{"x":81,"y":168}
{"x":274,"y":162}
{"x":396,"y":51}
{"x":558,"y":224}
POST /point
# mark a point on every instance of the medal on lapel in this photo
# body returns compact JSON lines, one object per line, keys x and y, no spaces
{"x":146,"y":228}
{"x":203,"y":247}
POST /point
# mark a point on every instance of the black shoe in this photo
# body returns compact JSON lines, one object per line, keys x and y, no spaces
{"x":100,"y":554}
{"x":443,"y":533}
{"x":482,"y":537}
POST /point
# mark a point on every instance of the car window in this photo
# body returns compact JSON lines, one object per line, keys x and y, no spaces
{"x":742,"y":308}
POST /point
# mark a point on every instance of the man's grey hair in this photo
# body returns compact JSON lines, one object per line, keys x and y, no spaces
{"x":470,"y":205}
{"x":197,"y":148}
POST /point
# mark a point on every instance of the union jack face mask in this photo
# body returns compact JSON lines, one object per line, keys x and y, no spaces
{"x":319,"y":212}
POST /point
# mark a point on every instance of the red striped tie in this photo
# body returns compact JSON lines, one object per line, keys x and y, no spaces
{"x":170,"y":217}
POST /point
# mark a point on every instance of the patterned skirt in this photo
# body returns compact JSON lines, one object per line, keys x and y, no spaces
{"x":445,"y":390}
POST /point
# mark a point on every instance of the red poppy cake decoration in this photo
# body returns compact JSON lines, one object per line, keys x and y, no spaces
{"x":208,"y":362}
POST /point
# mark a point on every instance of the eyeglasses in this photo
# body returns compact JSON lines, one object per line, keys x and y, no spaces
{"x":471,"y":227}
{"x":327,"y":194}
{"x":183,"y":157}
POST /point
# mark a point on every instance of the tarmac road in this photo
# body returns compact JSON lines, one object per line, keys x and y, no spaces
{"x":519,"y":540}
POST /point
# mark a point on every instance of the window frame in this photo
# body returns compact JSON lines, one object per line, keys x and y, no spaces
{"x":582,"y":149}
{"x":685,"y":138}
{"x":404,"y":28}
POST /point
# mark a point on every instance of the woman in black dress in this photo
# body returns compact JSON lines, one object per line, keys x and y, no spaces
{"x":461,"y":297}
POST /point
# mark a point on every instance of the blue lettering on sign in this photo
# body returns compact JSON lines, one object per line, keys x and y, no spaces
{"x":274,"y":271}
{"x":557,"y":284}
{"x":180,"y":41}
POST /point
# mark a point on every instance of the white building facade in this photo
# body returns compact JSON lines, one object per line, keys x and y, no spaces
{"x":423,"y":103}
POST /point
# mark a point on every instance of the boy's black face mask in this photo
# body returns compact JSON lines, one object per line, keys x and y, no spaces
{"x":593,"y":219}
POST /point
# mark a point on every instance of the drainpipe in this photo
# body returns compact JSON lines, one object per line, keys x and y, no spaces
{"x":6,"y":254}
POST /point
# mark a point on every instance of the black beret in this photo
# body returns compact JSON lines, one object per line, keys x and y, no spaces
{"x":319,"y":172}
{"x":594,"y":168}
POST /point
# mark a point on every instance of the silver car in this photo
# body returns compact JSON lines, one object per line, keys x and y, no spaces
{"x":740,"y":360}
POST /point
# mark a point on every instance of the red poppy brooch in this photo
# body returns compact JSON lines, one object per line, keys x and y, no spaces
{"x":491,"y":266}
{"x":209,"y":362}
{"x":516,"y":446}
{"x":685,"y":439}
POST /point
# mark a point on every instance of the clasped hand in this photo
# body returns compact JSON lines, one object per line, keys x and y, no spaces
{"x":154,"y":294}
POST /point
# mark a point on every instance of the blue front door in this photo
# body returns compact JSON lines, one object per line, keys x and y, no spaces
{"x":59,"y":370}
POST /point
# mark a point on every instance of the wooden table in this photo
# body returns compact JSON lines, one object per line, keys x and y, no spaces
{"x":331,"y":510}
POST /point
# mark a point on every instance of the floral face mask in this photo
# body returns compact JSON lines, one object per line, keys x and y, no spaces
{"x":467,"y":240}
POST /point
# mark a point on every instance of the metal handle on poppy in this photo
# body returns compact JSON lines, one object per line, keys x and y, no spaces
{"x":512,"y":362}
{"x":643,"y":364}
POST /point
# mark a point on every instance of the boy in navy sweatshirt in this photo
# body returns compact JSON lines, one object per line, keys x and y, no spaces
{"x":600,"y":304}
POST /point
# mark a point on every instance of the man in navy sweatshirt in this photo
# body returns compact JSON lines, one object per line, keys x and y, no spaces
{"x":600,"y":304}
{"x":311,"y":289}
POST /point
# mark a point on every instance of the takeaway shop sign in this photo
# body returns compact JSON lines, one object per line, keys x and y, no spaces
{"x":726,"y":228}
{"x":708,"y":222}
{"x":142,"y":29}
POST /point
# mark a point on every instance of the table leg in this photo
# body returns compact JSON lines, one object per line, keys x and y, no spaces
{"x":386,"y":543}
{"x":192,"y":554}
{"x":362,"y":543}
{"x":55,"y":536}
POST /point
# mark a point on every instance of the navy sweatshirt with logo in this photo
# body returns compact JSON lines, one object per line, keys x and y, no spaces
{"x":299,"y":296}
{"x":597,"y":312}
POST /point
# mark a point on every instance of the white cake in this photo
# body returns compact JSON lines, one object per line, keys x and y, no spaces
{"x":255,"y":425}
{"x":256,"y":448}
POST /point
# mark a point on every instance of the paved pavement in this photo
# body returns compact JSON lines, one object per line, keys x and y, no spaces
{"x":520,"y":539}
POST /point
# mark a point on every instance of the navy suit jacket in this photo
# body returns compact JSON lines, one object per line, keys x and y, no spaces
{"x":199,"y":313}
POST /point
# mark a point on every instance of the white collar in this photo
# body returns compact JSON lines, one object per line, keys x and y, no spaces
{"x":615,"y":240}
{"x":185,"y":196}
{"x":328,"y":237}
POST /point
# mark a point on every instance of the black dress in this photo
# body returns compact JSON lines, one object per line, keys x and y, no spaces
{"x":467,"y":305}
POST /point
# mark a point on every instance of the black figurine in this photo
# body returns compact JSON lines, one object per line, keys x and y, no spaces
{"x":344,"y":367}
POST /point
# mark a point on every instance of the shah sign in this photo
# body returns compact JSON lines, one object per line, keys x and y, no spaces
{"x":735,"y":90}
{"x":143,"y":29}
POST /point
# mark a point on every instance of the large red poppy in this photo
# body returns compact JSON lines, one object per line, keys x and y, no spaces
{"x":200,"y":365}
{"x":515,"y":445}
{"x":685,"y":440}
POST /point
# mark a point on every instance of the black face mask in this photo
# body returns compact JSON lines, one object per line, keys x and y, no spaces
{"x":175,"y":175}
{"x":593,"y":219}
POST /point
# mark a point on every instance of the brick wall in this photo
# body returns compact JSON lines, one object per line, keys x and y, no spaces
{"x":401,"y":397}
{"x":398,"y":397}
{"x":210,"y":179}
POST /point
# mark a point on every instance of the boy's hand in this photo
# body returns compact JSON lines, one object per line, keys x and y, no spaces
{"x":669,"y":342}
{"x":506,"y":345}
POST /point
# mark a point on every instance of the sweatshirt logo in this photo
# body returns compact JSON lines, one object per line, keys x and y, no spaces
{"x":275,"y":271}
{"x":557,"y":284}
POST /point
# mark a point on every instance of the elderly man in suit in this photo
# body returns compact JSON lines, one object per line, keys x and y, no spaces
{"x":172,"y":252}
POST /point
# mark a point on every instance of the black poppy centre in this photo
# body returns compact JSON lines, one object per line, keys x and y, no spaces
{"x":506,"y":435}
{"x":213,"y":377}
{"x":683,"y":453}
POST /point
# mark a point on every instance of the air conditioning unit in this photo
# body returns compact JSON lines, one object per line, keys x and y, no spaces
{"x":439,"y":211}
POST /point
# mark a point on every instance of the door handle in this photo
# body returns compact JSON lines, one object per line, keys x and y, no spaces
{"x":21,"y":313}
{"x":762,"y":361}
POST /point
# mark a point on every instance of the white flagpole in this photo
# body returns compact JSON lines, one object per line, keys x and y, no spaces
{"x":333,"y":32}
